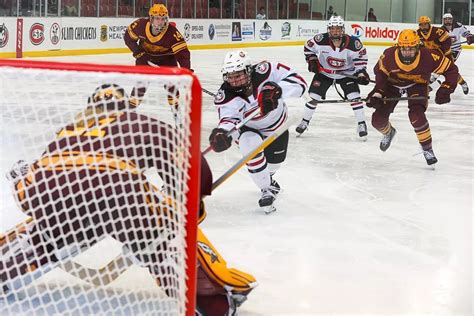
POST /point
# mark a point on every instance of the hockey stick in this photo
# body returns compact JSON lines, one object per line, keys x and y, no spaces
{"x":150,"y":63}
{"x":235,"y":128}
{"x":366,"y":99}
{"x":266,"y":142}
{"x":340,"y":72}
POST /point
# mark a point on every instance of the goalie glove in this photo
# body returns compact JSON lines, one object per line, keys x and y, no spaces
{"x":219,"y":140}
{"x":268,"y":97}
{"x":313,"y":64}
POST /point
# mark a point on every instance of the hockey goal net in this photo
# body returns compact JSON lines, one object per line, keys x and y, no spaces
{"x":99,"y":202}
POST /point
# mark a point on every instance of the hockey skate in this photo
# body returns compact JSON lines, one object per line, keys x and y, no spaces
{"x":430,"y":157}
{"x":362,"y":130}
{"x":302,"y":127}
{"x":387,"y":139}
{"x":266,"y":201}
{"x":275,"y":187}
{"x":465,"y":88}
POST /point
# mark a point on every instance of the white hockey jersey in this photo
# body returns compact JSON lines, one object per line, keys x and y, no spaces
{"x":349,"y":58}
{"x":234,"y":107}
{"x":458,"y":30}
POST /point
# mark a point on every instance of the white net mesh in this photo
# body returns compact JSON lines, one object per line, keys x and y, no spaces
{"x":101,"y":187}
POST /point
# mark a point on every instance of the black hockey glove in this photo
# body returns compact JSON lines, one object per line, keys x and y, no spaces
{"x":470,"y":39}
{"x":313,"y":64}
{"x":374,"y":99}
{"x":219,"y":140}
{"x":268,"y":97}
{"x":443,"y":95}
{"x":362,"y":77}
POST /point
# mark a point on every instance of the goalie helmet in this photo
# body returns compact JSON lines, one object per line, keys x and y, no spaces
{"x":111,"y":97}
{"x":158,"y":17}
{"x":237,"y":70}
{"x":334,"y":33}
{"x":407,"y":40}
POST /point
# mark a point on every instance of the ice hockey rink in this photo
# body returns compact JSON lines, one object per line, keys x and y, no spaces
{"x":357,"y":231}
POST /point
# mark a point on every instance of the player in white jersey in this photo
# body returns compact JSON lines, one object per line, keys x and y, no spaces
{"x":248,"y":88}
{"x":333,"y":56}
{"x":456,"y":31}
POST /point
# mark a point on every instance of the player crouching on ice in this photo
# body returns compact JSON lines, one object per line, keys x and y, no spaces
{"x":256,"y":91}
{"x":406,"y":69}
{"x":90,"y":183}
{"x":336,"y":58}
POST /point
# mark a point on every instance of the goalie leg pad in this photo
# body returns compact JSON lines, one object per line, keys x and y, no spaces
{"x":214,"y":277}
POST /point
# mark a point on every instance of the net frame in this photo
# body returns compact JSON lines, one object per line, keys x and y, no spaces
{"x":193,"y":179}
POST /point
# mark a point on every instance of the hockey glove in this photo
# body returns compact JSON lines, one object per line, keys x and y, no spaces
{"x":374,"y":99}
{"x":313,"y":64}
{"x":219,"y":140}
{"x":269,"y":96}
{"x":470,"y":39}
{"x":443,"y":95}
{"x":362,"y":77}
{"x":138,"y":53}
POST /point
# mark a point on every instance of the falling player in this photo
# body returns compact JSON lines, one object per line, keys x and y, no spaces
{"x":456,"y":30}
{"x":90,"y":182}
{"x":434,"y":37}
{"x":155,"y":42}
{"x":246,"y":89}
{"x":333,"y":57}
{"x":406,"y":68}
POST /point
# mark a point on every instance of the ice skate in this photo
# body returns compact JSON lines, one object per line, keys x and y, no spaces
{"x":465,"y":88}
{"x":266,"y":201}
{"x":387,"y":139}
{"x":275,"y":187}
{"x":362,"y":130}
{"x":430,"y":157}
{"x":302,"y":127}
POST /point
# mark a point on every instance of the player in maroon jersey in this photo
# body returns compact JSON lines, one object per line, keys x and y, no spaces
{"x":155,"y":42}
{"x":406,"y":68}
{"x":90,"y":182}
{"x":434,"y":37}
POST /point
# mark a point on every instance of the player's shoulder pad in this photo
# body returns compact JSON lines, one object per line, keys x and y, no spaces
{"x":321,"y":39}
{"x":224,"y":95}
{"x":354,"y":43}
{"x":429,"y":53}
{"x":457,"y":25}
{"x":262,"y":67}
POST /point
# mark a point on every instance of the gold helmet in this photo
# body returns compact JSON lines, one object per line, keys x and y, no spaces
{"x":408,"y":38}
{"x":424,"y":19}
{"x":158,"y":10}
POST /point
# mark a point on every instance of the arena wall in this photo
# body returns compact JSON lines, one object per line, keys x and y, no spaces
{"x":34,"y":37}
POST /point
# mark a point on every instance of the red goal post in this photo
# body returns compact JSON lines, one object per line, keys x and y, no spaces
{"x":50,"y":93}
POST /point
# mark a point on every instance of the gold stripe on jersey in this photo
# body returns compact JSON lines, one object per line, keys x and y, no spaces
{"x":132,"y":34}
{"x":178,"y":47}
{"x":151,"y":37}
{"x":94,"y":161}
{"x":444,"y":37}
{"x":381,"y":66}
{"x":407,"y":68}
{"x":443,"y":66}
{"x":427,"y":34}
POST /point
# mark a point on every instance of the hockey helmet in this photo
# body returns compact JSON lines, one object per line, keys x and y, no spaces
{"x":408,"y":45}
{"x":237,"y":70}
{"x":158,"y":17}
{"x":336,"y":21}
{"x":424,"y":20}
{"x":447,"y":19}
{"x":110,"y":97}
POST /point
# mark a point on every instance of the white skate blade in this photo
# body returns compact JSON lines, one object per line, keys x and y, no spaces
{"x":268,"y":209}
{"x":363,"y":138}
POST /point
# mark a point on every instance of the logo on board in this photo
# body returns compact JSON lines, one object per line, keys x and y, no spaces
{"x":37,"y":34}
{"x":3,"y":35}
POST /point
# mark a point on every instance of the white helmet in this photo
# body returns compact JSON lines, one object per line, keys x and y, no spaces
{"x":236,"y":61}
{"x":447,"y":16}
{"x":336,"y":21}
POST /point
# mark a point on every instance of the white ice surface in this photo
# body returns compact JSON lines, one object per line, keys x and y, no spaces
{"x":357,"y":231}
